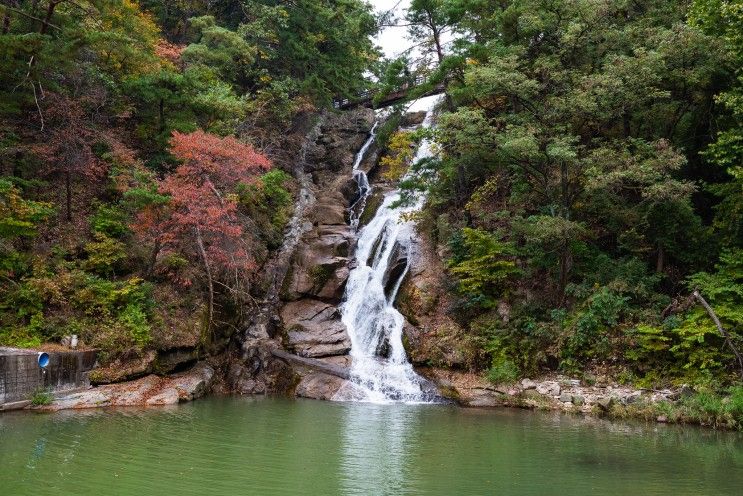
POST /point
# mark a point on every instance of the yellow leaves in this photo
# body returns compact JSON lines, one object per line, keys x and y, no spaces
{"x":401,"y":150}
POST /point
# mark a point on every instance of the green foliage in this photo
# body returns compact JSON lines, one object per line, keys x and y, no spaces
{"x":104,"y":254}
{"x":135,"y":320}
{"x":110,"y":220}
{"x":503,"y":371}
{"x":268,"y":202}
{"x":41,"y":398}
{"x":18,"y":216}
{"x":483,"y":266}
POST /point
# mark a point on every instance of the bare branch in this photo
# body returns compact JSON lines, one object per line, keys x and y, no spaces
{"x":722,"y":330}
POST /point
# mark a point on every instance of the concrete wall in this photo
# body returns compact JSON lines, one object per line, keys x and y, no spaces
{"x":21,"y":376}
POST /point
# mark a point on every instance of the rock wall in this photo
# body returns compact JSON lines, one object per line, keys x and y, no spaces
{"x":312,"y":267}
{"x":431,"y":336}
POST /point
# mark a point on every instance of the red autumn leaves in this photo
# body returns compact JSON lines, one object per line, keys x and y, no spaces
{"x":201,"y":217}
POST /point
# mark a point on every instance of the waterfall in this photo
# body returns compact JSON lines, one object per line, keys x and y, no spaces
{"x":380,"y":371}
{"x":362,"y":182}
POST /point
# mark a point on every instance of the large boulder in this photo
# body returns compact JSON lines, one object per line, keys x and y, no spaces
{"x":319,"y":386}
{"x":395,"y":268}
{"x":320,"y":266}
{"x":314,"y":329}
{"x":257,"y":371}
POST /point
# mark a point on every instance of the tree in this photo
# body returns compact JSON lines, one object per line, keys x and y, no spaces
{"x":324,"y":45}
{"x":67,"y":149}
{"x":428,"y":21}
{"x":724,"y":19}
{"x":201,"y":218}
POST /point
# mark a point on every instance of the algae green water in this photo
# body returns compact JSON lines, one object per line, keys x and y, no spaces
{"x":273,"y":446}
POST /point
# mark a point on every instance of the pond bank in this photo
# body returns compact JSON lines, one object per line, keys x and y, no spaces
{"x":553,"y":393}
{"x":681,"y":405}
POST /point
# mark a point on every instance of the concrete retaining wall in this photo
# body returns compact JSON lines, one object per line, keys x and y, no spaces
{"x":21,"y":376}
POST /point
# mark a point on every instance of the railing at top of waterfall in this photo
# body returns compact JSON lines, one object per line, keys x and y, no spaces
{"x":366,"y":98}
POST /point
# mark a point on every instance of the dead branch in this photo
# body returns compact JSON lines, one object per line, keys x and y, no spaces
{"x":29,"y":16}
{"x":696,"y":294}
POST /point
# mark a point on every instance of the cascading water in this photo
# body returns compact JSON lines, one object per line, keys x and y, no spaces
{"x":362,"y":182}
{"x":380,"y":371}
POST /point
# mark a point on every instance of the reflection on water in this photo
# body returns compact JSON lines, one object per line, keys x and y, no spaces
{"x":374,"y":448}
{"x":275,"y":447}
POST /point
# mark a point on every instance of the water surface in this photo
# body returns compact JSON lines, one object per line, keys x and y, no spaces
{"x":246,"y":446}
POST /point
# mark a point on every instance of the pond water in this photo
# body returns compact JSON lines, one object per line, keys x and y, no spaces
{"x":273,"y":446}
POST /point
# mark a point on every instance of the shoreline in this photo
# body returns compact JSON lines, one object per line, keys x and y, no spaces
{"x":681,"y":406}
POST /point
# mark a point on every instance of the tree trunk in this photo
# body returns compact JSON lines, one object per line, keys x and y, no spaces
{"x":6,"y":23}
{"x":48,"y":17}
{"x":210,"y":280}
{"x":660,"y":261}
{"x":161,"y":115}
{"x":153,"y":260}
{"x":68,"y":191}
{"x":564,"y":271}
{"x":627,"y":124}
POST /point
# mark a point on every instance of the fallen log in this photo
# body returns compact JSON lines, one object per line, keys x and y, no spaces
{"x":313,"y":363}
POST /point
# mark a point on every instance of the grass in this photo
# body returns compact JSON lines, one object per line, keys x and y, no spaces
{"x":41,"y":397}
{"x":720,"y":410}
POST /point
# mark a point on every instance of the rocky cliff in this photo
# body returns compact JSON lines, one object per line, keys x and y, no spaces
{"x":300,"y":313}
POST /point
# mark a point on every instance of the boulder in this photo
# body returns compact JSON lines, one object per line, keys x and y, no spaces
{"x":605,"y":402}
{"x":528,"y":384}
{"x":320,"y":266}
{"x":411,"y":119}
{"x":548,"y":388}
{"x":321,"y":262}
{"x":176,"y":359}
{"x":314,"y":329}
{"x":395,"y":268}
{"x":147,"y":391}
{"x":125,"y":368}
{"x":319,"y":386}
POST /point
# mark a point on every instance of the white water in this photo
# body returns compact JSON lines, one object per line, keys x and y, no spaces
{"x":362,"y":182}
{"x":374,"y":325}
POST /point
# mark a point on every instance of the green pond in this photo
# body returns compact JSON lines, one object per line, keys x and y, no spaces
{"x":269,"y":446}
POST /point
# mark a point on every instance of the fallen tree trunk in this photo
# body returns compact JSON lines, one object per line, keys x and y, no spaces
{"x":313,"y":363}
{"x":696,"y":294}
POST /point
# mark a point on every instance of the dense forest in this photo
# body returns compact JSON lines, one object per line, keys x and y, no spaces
{"x":588,"y":180}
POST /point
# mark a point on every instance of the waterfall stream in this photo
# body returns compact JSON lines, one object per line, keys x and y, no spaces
{"x":380,"y":371}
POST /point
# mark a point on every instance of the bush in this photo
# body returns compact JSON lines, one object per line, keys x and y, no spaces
{"x":483,"y":265}
{"x":503,"y":371}
{"x":41,"y":397}
{"x":110,"y":221}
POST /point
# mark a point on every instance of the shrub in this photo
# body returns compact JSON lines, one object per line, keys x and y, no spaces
{"x":503,"y":371}
{"x":105,"y":254}
{"x":41,"y":397}
{"x":483,"y":265}
{"x":110,"y":221}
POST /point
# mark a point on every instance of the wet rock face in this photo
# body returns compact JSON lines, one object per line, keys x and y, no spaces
{"x":395,"y":269}
{"x":341,"y":136}
{"x":258,"y":372}
{"x":314,"y":329}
